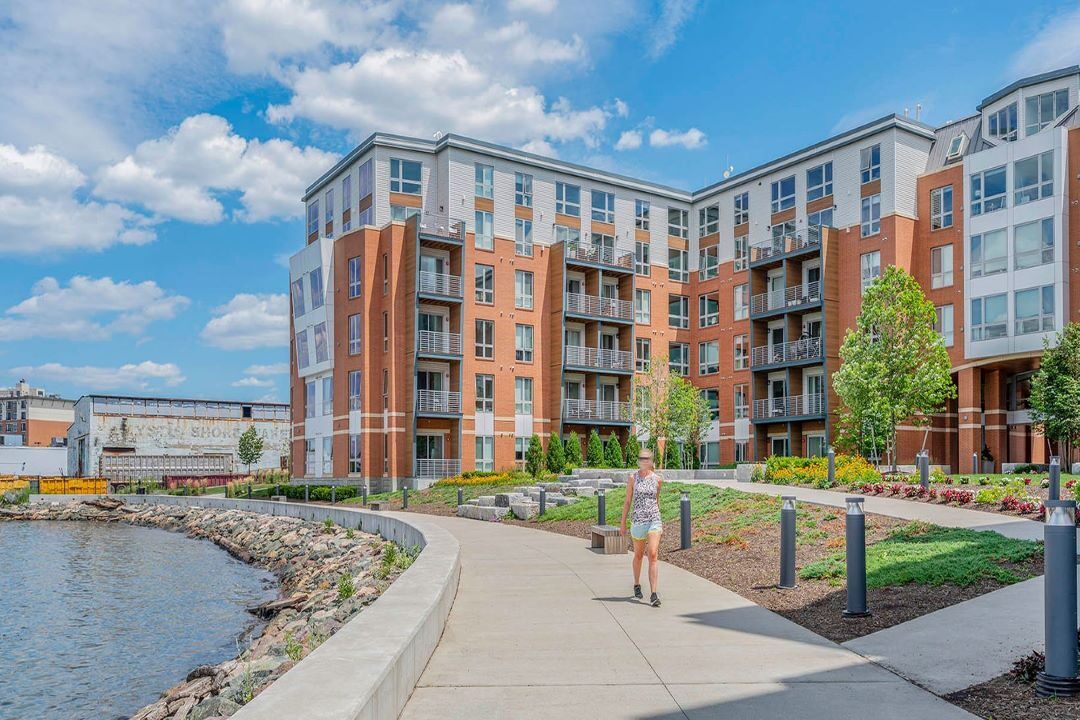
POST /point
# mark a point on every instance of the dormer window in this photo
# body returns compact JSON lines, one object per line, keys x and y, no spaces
{"x":956,"y":147}
{"x":1041,"y":110}
{"x":1002,"y":124}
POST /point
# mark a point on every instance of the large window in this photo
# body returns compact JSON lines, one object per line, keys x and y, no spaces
{"x":1034,"y":310}
{"x":642,"y":354}
{"x":356,"y":277}
{"x":298,"y":297}
{"x":1002,"y":124}
{"x":567,"y":235}
{"x":1033,"y":178}
{"x":870,"y":164}
{"x":523,"y":343}
{"x":328,"y":200}
{"x":355,"y":459}
{"x":603,"y":206}
{"x":989,"y":317}
{"x":742,"y":252}
{"x":941,"y":267}
{"x":870,"y":265}
{"x":679,"y":358}
{"x":1034,"y":243}
{"x":988,"y":191}
{"x":356,"y":390}
{"x":328,"y":396}
{"x":404,"y":176}
{"x":819,"y":181}
{"x":303,"y":355}
{"x":485,"y":393}
{"x":989,"y":253}
{"x":941,"y":213}
{"x":642,"y":264}
{"x":309,"y":399}
{"x":709,"y":262}
{"x":742,"y":352}
{"x":712,"y":400}
{"x":742,"y":301}
{"x":678,"y":311}
{"x":315,"y":283}
{"x":871,"y":215}
{"x":354,"y":334}
{"x":742,"y":208}
{"x":708,"y":221}
{"x":523,"y":396}
{"x":485,"y":453}
{"x":523,"y":189}
{"x":568,"y":199}
{"x":708,"y":310}
{"x":485,"y":284}
{"x":401,"y":213}
{"x":523,"y":239}
{"x":1041,"y":110}
{"x":523,"y":289}
{"x":313,"y":218}
{"x":708,"y":358}
{"x":322,"y":350}
{"x":485,"y":181}
{"x":944,"y":323}
{"x":677,"y":265}
{"x":485,"y":339}
{"x":783,"y":194}
{"x":821,"y":218}
{"x":642,"y":306}
{"x":742,"y":402}
{"x":485,"y":230}
{"x":641,"y":214}
{"x":678,"y":223}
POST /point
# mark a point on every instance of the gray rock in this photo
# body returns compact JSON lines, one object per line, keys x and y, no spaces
{"x":216,"y":706}
{"x":505,"y":499}
{"x":487,"y":500}
{"x":524,"y":511}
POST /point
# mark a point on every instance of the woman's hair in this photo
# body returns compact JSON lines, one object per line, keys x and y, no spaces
{"x":645,"y":452}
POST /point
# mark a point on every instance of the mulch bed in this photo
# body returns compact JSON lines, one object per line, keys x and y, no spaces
{"x":1006,"y":698}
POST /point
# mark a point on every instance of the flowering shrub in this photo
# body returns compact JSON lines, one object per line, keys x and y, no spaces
{"x":960,"y":497}
{"x":473,"y":477}
{"x":851,"y":470}
{"x":932,"y":494}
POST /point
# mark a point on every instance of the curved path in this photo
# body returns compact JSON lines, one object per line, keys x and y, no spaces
{"x":542,"y":627}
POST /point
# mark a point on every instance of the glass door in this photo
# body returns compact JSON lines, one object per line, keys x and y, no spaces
{"x":814,"y":386}
{"x":776,"y":343}
{"x":429,"y":447}
{"x":777,"y":397}
{"x":433,"y":264}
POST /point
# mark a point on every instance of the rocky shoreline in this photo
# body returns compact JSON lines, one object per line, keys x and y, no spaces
{"x":327,"y":575}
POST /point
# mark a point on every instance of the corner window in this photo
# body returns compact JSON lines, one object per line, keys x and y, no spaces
{"x":989,"y":253}
{"x":941,"y":211}
{"x":603,"y":206}
{"x":485,"y":181}
{"x":988,"y":191}
{"x":742,"y":208}
{"x":678,"y":223}
{"x":1033,"y":178}
{"x":819,"y":182}
{"x":354,"y":334}
{"x":328,"y":200}
{"x":820,"y":219}
{"x":315,"y":282}
{"x":402,"y":213}
{"x":568,"y":199}
{"x":303,"y":355}
{"x":309,"y":399}
{"x":870,"y":164}
{"x":1002,"y":124}
{"x":742,"y":252}
{"x":1041,"y":110}
{"x":404,"y":176}
{"x":298,"y":297}
{"x":641,"y":214}
{"x":322,"y":350}
{"x":708,"y":221}
{"x":871,"y":215}
{"x":313,"y":218}
{"x":989,"y":317}
{"x":346,"y":202}
{"x":355,"y":277}
{"x":523,"y":195}
{"x":783,"y":194}
{"x":1033,"y":243}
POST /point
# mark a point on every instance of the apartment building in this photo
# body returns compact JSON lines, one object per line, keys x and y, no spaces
{"x":455,"y":297}
{"x":34,"y":417}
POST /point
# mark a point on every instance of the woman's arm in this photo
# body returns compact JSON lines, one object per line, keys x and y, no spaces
{"x":626,"y":503}
{"x":659,"y":483}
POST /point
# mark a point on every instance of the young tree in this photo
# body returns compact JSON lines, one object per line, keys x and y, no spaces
{"x":534,"y":457}
{"x":556,"y":456}
{"x":1055,"y":391}
{"x":613,"y":454}
{"x":894,"y":366}
{"x":594,"y":454}
{"x":689,"y":418}
{"x":573,"y":451}
{"x":250,"y":447}
{"x":633,"y":449}
{"x":672,"y":458}
{"x":651,"y":391}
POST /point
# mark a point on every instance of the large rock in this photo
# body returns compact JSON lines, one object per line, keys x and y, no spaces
{"x":487,"y":500}
{"x":505,"y":499}
{"x":216,"y":706}
{"x":482,"y":512}
{"x":525,"y":510}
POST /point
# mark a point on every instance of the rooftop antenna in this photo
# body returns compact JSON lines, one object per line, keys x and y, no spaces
{"x":729,"y":169}
{"x":905,"y":112}
{"x":918,"y":110}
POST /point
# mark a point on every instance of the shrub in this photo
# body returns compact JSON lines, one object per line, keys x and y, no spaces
{"x":757,"y":474}
{"x":556,"y":456}
{"x":851,"y":471}
{"x":1022,"y":469}
{"x":613,"y":454}
{"x":345,"y":587}
{"x":937,"y":475}
{"x":672,"y":457}
{"x":633,"y":449}
{"x":534,"y":457}
{"x":293,"y":649}
{"x":473,"y":477}
{"x":594,"y":452}
{"x":573,"y":451}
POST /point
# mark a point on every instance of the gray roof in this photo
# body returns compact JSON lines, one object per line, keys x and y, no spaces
{"x":1070,"y":119}
{"x":969,"y":126}
{"x":1032,"y":80}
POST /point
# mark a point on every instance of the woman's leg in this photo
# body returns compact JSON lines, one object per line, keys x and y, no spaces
{"x":639,"y":551}
{"x":654,"y":565}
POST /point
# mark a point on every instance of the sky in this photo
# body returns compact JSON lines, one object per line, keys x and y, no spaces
{"x":153,"y":155}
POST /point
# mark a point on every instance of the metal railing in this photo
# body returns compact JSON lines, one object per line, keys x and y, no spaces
{"x":436,"y":468}
{"x":438,"y":401}
{"x":441,"y":225}
{"x":789,"y":242}
{"x":796,"y":350}
{"x":440,"y":284}
{"x":600,"y":254}
{"x":599,"y":306}
{"x":600,"y":410}
{"x":791,"y":406}
{"x":788,"y":297}
{"x":599,"y":358}
{"x":442,"y":343}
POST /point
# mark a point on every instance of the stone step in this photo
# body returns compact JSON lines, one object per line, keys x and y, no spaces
{"x":486,"y":500}
{"x":482,"y":512}
{"x":525,"y":510}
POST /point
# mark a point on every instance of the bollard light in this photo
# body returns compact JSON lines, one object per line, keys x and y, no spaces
{"x":856,"y":559}
{"x":307,"y":492}
{"x":363,"y":494}
{"x":684,"y":519}
{"x":404,"y":497}
{"x":601,"y":507}
{"x":460,"y":496}
{"x":832,"y":467}
{"x":1059,"y":593}
{"x":333,"y":494}
{"x":1055,"y":478}
{"x":923,"y":461}
{"x":975,"y":463}
{"x":787,"y":542}
{"x":249,"y":491}
{"x":543,"y":500}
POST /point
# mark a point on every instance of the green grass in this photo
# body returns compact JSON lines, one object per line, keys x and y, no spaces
{"x":925,"y":554}
{"x":969,"y":479}
{"x":703,"y":499}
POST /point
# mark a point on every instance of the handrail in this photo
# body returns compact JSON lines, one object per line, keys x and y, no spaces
{"x":603,"y":410}
{"x":600,"y":254}
{"x":599,"y":306}
{"x":441,"y":225}
{"x":436,"y":468}
{"x":790,"y":406}
{"x":599,"y":358}
{"x":440,"y":284}
{"x":438,"y":401}
{"x":442,"y":343}
{"x":787,"y":297}
{"x":786,"y":243}
{"x":802,"y":349}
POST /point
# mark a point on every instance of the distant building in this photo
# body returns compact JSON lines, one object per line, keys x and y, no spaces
{"x":130,"y":438}
{"x":31,"y":416}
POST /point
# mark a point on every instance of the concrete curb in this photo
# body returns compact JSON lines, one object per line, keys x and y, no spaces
{"x":368,"y":669}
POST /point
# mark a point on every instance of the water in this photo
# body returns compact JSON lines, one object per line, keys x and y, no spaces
{"x":96,"y":620}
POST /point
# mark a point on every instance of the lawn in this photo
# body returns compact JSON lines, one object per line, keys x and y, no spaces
{"x":703,"y":499}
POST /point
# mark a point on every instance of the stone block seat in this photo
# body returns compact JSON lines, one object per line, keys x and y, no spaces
{"x":609,"y":539}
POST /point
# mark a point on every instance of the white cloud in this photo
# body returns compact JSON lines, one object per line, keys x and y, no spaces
{"x":621,"y":108}
{"x":253,"y":382}
{"x":249,"y":321}
{"x":89,"y":309}
{"x":182,"y":174}
{"x":691,"y":139}
{"x":132,"y":376}
{"x":629,"y":140}
{"x":272,"y":369}
{"x":541,"y":7}
{"x":540,"y":147}
{"x":1055,"y":45}
{"x":673,"y":15}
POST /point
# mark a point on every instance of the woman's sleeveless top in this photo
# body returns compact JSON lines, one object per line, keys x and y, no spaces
{"x":644,"y":509}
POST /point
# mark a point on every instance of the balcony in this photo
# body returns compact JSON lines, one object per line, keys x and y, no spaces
{"x":601,"y":255}
{"x":440,"y":228}
{"x":796,"y":351}
{"x":436,"y":468}
{"x":779,"y":247}
{"x":438,"y":402}
{"x":604,"y":412}
{"x":440,"y":285}
{"x":438,"y":343}
{"x":784,"y":408}
{"x":592,"y":358}
{"x":600,"y":307}
{"x":792,"y":297}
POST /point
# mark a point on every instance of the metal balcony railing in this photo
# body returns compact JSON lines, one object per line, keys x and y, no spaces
{"x":599,"y":358}
{"x":442,"y":226}
{"x":436,"y":468}
{"x":598,"y":410}
{"x":441,"y":343}
{"x":788,"y":297}
{"x":786,"y":243}
{"x":599,"y":306}
{"x":791,"y":406}
{"x":600,"y":254}
{"x":440,"y":284}
{"x":805,"y":349}
{"x":444,"y":402}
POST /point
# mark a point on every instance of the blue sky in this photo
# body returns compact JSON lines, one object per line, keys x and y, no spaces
{"x":152,"y":156}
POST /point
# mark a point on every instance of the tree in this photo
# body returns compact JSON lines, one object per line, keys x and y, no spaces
{"x":594,"y":454}
{"x":689,"y":418}
{"x":672,"y":459}
{"x":633,"y":449}
{"x":573,"y":451}
{"x":556,"y":456}
{"x":613,"y":454}
{"x":894,"y":366}
{"x":651,"y":392}
{"x":250,"y":447}
{"x":534,"y":457}
{"x":1055,"y":391}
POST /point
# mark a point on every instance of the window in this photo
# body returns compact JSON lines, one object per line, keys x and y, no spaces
{"x":988,"y":191}
{"x":298,"y":297}
{"x":603,"y":206}
{"x":346,"y":202}
{"x":521,"y":446}
{"x":821,"y":218}
{"x":523,"y":189}
{"x":523,"y":396}
{"x":485,"y":283}
{"x":709,"y":262}
{"x":568,"y":199}
{"x":708,"y":310}
{"x":523,"y":241}
{"x":1041,"y":110}
{"x":1034,"y":243}
{"x":642,"y":354}
{"x":871,"y":215}
{"x":678,"y":223}
{"x":709,"y":454}
{"x":679,"y":358}
{"x":989,"y":253}
{"x":1002,"y":124}
{"x":355,"y":277}
{"x":708,"y":221}
{"x":1033,"y":178}
{"x":485,"y":339}
{"x":742,"y":301}
{"x":385,"y":395}
{"x":328,"y":200}
{"x":642,"y":265}
{"x":1034,"y":310}
{"x":355,"y":460}
{"x":941,"y":267}
{"x":523,"y":343}
{"x":485,"y":393}
{"x":313,"y":218}
{"x":386,"y":332}
{"x":328,"y":396}
{"x":956,"y":147}
{"x":315,"y":282}
{"x":485,"y":453}
{"x":742,"y":208}
{"x":523,"y":289}
{"x":742,"y":352}
{"x":485,"y":181}
{"x":742,"y":252}
{"x":989,"y":317}
{"x":322,"y":351}
{"x":567,"y":235}
{"x":943,"y":324}
{"x":819,"y":181}
{"x":385,"y":273}
{"x":404,"y":176}
{"x":401,"y":213}
{"x":485,"y":234}
{"x":678,"y":311}
{"x":708,"y":358}
{"x":871,"y":268}
{"x":742,"y":402}
{"x":641,"y":214}
{"x":783,"y":194}
{"x":354,"y":334}
{"x":941,"y":207}
{"x":742,"y":451}
{"x":642,"y":306}
{"x":355,"y":390}
{"x":309,"y":399}
{"x":303,"y":356}
{"x":677,"y":266}
{"x":870,"y":164}
{"x":712,"y":399}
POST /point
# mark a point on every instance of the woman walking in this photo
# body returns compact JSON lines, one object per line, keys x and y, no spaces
{"x":643,"y":504}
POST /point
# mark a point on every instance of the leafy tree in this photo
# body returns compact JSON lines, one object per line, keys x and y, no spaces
{"x":1055,"y":391}
{"x":672,"y":456}
{"x":556,"y":456}
{"x":633,"y":449}
{"x":573,"y":451}
{"x":250,"y":447}
{"x":613,"y":454}
{"x":689,"y":418}
{"x":894,"y":366}
{"x":594,"y":454}
{"x":651,"y":392}
{"x":534,"y":457}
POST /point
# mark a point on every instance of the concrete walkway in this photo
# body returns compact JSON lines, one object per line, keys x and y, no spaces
{"x":542,"y":627}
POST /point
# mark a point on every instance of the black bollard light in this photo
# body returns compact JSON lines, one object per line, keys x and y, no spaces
{"x":856,"y":559}
{"x":1055,"y":478}
{"x":333,"y":494}
{"x":684,"y":520}
{"x":460,"y":496}
{"x":601,"y":507}
{"x":1059,"y":592}
{"x":363,"y":495}
{"x":543,"y":500}
{"x":924,"y":469}
{"x":249,"y":491}
{"x":832,"y":466}
{"x":277,"y":490}
{"x":975,"y":463}
{"x":787,"y":541}
{"x":404,"y":497}
{"x":307,"y":489}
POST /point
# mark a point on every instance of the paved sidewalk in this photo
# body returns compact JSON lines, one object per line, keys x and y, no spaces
{"x":544,"y":628}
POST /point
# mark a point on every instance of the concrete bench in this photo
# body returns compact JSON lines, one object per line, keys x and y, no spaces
{"x":279,"y":498}
{"x":608,"y":538}
{"x":376,"y":505}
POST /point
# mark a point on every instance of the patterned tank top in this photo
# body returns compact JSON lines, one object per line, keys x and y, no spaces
{"x":644,"y":509}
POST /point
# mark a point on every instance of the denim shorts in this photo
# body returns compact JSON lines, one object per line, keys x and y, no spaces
{"x":640,"y":531}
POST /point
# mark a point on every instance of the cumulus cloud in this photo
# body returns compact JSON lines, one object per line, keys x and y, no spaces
{"x":253,"y":382}
{"x":1055,"y":45}
{"x":249,"y":321}
{"x":691,"y":139}
{"x":132,"y":376}
{"x":629,"y":140}
{"x":541,"y":7}
{"x":673,"y":15}
{"x":271,"y":369}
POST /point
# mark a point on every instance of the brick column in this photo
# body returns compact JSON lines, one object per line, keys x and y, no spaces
{"x":969,"y":416}
{"x":1038,"y":449}
{"x":995,"y":416}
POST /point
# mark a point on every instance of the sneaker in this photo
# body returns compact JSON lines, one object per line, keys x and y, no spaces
{"x":655,"y":600}
{"x":637,"y":592}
